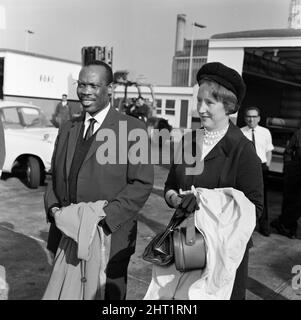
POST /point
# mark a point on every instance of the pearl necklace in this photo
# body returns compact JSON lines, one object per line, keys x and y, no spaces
{"x":211,"y":137}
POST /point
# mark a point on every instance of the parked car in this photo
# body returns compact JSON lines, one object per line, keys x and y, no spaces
{"x":29,"y":141}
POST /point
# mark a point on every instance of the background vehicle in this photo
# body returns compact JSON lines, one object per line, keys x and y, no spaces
{"x":38,"y":79}
{"x":29,"y":141}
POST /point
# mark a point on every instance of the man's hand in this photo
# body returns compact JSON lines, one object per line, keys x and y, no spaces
{"x":53,"y":211}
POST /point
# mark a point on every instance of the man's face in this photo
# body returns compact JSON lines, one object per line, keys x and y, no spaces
{"x":64,"y":98}
{"x":252,"y":118}
{"x":92,"y":89}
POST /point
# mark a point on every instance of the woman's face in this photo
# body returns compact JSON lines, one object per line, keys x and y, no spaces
{"x":212,"y":112}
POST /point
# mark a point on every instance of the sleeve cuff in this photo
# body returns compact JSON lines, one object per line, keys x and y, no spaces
{"x":50,"y":218}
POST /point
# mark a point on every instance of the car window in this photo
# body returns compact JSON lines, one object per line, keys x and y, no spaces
{"x":11,"y":118}
{"x":34,"y":118}
{"x":31,"y":116}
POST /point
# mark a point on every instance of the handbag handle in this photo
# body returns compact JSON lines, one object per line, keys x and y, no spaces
{"x":175,"y":220}
{"x":190,"y":230}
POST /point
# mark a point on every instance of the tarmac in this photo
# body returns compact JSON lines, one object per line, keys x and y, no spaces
{"x":27,"y":265}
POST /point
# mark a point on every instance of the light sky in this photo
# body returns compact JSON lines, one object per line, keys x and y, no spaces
{"x":141,"y":32}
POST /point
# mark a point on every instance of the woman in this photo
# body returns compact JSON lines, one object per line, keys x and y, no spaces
{"x":230,"y":159}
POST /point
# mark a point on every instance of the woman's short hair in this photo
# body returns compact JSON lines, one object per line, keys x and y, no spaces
{"x":222,"y":94}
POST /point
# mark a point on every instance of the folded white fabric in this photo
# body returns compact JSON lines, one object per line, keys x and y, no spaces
{"x":227,"y":219}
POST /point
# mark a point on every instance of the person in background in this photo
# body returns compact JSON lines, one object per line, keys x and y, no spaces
{"x":62,"y":112}
{"x":229,"y":157}
{"x":77,"y":176}
{"x":287,"y":223}
{"x":2,"y":146}
{"x":262,"y":140}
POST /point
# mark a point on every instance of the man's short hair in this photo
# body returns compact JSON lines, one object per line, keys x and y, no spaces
{"x":109,"y":71}
{"x":252,"y":108}
{"x":64,"y":95}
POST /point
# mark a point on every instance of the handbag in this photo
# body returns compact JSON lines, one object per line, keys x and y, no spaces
{"x":189,"y":247}
{"x":160,"y":250}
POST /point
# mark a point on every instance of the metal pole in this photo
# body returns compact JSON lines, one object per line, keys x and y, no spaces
{"x":27,"y":33}
{"x":194,"y":24}
{"x":26,"y":40}
{"x":191,"y":53}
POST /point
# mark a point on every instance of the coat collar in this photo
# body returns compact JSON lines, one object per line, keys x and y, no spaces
{"x":227,"y":143}
{"x":71,"y":143}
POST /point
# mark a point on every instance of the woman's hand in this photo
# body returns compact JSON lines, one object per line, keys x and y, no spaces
{"x":189,"y":203}
{"x":175,"y":200}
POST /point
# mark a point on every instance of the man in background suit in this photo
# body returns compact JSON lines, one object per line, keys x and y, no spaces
{"x":62,"y":112}
{"x":79,"y":177}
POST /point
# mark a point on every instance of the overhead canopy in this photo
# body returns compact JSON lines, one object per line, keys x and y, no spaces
{"x":282,"y":61}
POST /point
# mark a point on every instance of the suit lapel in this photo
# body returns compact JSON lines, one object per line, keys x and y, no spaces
{"x":72,"y":141}
{"x":108,"y":123}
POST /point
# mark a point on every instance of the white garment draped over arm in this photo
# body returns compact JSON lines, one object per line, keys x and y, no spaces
{"x":227,"y":219}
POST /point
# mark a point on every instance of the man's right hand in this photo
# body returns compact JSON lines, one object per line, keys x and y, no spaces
{"x":53,"y":211}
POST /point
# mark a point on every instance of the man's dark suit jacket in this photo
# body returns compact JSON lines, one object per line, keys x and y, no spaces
{"x":125,"y":186}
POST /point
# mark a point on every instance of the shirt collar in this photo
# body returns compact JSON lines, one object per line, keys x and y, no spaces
{"x":250,"y":129}
{"x":99,"y":116}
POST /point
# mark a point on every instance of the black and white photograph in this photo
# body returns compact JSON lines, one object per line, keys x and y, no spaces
{"x":150,"y":150}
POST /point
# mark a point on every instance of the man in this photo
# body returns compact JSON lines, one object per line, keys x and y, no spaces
{"x":79,"y":177}
{"x":62,"y":112}
{"x":262,"y":141}
{"x":287,"y":223}
{"x":2,"y":146}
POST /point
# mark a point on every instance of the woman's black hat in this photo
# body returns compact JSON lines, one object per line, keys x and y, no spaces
{"x":225,"y":76}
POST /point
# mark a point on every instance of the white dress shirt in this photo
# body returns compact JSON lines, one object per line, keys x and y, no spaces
{"x":99,"y":117}
{"x":263,"y":140}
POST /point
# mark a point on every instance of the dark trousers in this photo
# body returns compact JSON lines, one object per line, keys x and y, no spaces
{"x":116,"y":283}
{"x":241,"y":278}
{"x":291,"y":204}
{"x":263,"y":223}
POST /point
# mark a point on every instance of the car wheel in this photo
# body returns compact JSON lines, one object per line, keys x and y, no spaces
{"x":33,"y":173}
